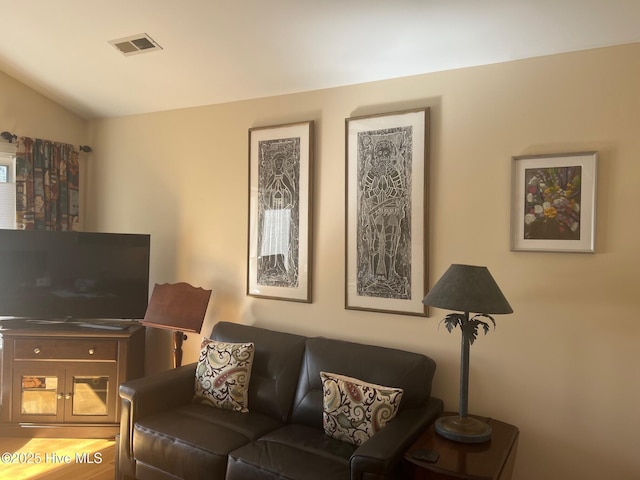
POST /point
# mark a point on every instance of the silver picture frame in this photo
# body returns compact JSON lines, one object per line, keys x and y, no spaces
{"x":553,"y":202}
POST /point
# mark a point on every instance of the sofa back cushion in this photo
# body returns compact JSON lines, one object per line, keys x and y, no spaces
{"x":276,"y":366}
{"x":412,"y":372}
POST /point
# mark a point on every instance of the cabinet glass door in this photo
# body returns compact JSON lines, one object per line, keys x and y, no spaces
{"x":65,"y":392}
{"x":90,"y":395}
{"x":92,"y":391}
{"x":39,"y":395}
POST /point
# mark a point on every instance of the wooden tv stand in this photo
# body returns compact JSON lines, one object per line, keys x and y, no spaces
{"x":62,"y":380}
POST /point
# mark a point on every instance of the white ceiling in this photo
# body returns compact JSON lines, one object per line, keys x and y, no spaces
{"x":217,"y":51}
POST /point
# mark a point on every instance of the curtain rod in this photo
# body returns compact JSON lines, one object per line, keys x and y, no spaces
{"x":10,"y":137}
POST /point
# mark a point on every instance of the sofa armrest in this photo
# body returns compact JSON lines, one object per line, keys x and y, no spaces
{"x":379,"y":456}
{"x":146,"y":396}
{"x":161,"y":391}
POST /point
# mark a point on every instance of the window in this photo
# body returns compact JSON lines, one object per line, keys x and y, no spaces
{"x":7,"y":186}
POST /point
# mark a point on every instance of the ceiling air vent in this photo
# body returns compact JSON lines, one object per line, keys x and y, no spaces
{"x":134,"y":44}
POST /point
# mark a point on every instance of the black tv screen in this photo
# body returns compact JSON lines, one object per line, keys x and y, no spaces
{"x":73,"y":275}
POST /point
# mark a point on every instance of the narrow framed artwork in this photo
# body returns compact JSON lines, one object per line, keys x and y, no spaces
{"x":553,"y":202}
{"x":386,"y":212}
{"x":280,"y":212}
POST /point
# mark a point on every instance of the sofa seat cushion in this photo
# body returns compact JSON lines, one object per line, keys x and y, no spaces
{"x":292,"y":452}
{"x":193,"y":441}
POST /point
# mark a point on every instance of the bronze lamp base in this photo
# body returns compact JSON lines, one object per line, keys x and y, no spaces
{"x":463,"y":429}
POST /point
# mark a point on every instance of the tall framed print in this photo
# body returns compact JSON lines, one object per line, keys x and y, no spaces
{"x":386,"y":212}
{"x":553,"y":202}
{"x":280,"y":211}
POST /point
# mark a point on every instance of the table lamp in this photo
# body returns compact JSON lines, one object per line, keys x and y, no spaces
{"x":179,"y":307}
{"x":466,"y":288}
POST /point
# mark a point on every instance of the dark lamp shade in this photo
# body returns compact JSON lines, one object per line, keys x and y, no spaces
{"x":468,"y":288}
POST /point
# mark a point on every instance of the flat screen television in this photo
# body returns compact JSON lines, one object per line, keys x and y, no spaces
{"x":73,"y":275}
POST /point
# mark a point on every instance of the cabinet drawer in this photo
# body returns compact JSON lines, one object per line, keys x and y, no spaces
{"x":47,"y":349}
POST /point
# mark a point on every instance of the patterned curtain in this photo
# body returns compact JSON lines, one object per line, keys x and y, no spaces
{"x":47,"y":185}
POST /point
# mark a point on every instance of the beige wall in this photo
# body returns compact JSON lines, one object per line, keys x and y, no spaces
{"x":562,"y":367}
{"x":24,"y":112}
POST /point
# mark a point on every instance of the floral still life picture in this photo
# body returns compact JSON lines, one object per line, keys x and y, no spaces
{"x":553,"y":202}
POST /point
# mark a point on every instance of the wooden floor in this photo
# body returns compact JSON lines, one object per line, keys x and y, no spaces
{"x":56,"y":459}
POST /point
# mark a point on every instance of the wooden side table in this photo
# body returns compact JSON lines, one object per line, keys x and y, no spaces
{"x":492,"y":460}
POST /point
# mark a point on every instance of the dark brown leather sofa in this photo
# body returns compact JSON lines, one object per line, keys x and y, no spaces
{"x":165,"y":435}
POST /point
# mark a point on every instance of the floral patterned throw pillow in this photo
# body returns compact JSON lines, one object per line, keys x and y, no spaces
{"x":353,"y":410}
{"x":223,"y":373}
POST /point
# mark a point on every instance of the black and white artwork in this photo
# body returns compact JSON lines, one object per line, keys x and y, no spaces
{"x":280,"y":160}
{"x":278,"y":212}
{"x":386,"y":212}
